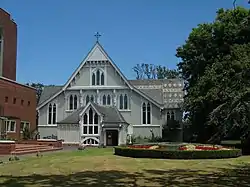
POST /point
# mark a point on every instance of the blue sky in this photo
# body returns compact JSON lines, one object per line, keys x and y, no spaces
{"x":55,"y":35}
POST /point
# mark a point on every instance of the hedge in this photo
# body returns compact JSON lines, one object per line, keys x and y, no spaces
{"x":177,"y":154}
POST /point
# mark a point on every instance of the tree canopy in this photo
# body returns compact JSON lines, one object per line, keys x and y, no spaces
{"x":151,"y":71}
{"x":216,"y":69}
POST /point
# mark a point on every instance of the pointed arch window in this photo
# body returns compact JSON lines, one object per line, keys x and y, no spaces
{"x":146,"y":113}
{"x":108,"y":100}
{"x":90,"y":123}
{"x":124,"y":102}
{"x":98,"y":77}
{"x":102,"y":78}
{"x":104,"y":100}
{"x":90,"y":116}
{"x":93,"y":79}
{"x":168,"y":116}
{"x":172,"y":115}
{"x":121,"y":101}
{"x":87,"y":99}
{"x":92,"y":98}
{"x":75,"y":102}
{"x":71,"y":102}
{"x":96,"y":118}
{"x":52,"y":114}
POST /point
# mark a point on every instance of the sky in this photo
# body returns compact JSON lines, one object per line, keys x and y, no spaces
{"x":54,"y":36}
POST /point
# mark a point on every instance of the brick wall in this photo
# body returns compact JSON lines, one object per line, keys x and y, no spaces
{"x":24,"y":108}
{"x":9,"y":31}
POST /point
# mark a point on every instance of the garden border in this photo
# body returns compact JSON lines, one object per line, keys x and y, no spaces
{"x":171,"y":154}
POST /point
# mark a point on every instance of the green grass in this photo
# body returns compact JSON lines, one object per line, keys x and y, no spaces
{"x":99,"y":167}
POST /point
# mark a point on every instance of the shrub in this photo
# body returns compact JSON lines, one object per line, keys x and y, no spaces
{"x":176,"y":154}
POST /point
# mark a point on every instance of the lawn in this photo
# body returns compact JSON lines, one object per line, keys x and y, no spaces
{"x":99,"y":167}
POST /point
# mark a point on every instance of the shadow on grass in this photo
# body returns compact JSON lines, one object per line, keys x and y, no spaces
{"x":239,"y":176}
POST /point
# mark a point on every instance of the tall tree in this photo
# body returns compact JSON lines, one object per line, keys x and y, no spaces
{"x":215,"y":68}
{"x":151,"y":71}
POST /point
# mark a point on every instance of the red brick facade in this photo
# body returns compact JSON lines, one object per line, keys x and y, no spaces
{"x":18,"y":103}
{"x":9,"y":33}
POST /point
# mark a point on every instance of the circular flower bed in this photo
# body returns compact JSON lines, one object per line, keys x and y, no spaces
{"x":178,"y":151}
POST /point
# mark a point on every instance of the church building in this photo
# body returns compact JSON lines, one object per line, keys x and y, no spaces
{"x":98,"y":105}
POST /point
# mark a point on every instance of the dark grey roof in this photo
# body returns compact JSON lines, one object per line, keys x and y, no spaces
{"x":48,"y":91}
{"x":110,"y":115}
{"x":155,"y":94}
{"x":72,"y":118}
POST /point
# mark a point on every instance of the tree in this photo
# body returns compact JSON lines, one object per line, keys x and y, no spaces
{"x":215,"y":68}
{"x":151,"y":71}
{"x":39,"y":88}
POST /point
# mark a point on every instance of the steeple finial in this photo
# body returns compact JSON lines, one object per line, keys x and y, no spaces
{"x":97,"y":35}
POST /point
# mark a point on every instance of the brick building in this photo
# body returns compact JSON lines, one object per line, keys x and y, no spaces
{"x":17,"y":101}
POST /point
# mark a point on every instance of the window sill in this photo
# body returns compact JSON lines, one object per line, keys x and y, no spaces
{"x":11,"y":131}
{"x":69,"y":110}
{"x":146,"y":125}
{"x":93,"y":135}
{"x":121,"y":110}
{"x":47,"y":125}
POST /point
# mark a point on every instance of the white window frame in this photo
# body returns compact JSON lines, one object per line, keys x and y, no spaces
{"x":52,"y":104}
{"x":24,"y":126}
{"x":73,"y":104}
{"x":128,"y":102}
{"x":88,"y":125}
{"x":94,"y":72}
{"x":8,"y":126}
{"x":146,"y":102}
{"x":111,"y":99}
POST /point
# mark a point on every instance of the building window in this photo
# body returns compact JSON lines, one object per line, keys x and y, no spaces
{"x":22,"y":101}
{"x":98,"y":78}
{"x":52,"y":114}
{"x":168,"y":116}
{"x":146,"y":113}
{"x":87,"y":99}
{"x":10,"y":126}
{"x":123,"y":101}
{"x":6,"y":99}
{"x":14,"y":100}
{"x":90,"y":141}
{"x":24,"y":125}
{"x":93,"y":78}
{"x":172,"y":115}
{"x":106,"y":100}
{"x":90,"y":123}
{"x":73,"y":102}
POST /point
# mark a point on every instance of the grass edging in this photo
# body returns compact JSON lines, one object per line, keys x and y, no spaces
{"x":176,"y":154}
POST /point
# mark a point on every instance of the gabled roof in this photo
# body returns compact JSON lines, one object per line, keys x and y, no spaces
{"x":97,"y":48}
{"x":110,"y":114}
